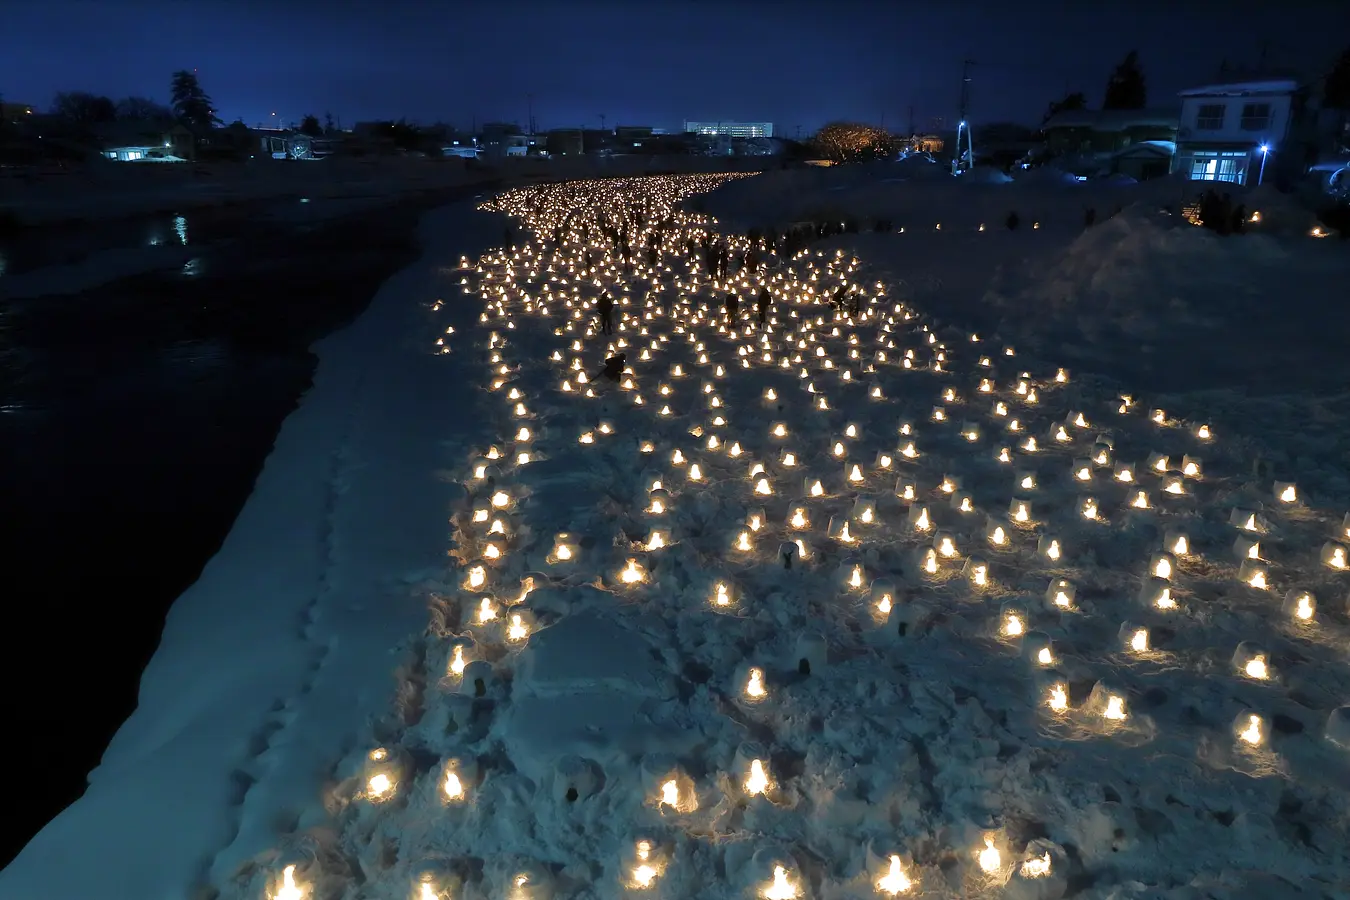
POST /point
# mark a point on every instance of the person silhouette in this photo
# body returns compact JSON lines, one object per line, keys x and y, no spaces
{"x":604,"y":307}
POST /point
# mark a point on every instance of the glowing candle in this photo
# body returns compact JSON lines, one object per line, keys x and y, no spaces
{"x":895,"y":881}
{"x":757,"y":782}
{"x":781,"y":888}
{"x":754,"y":684}
{"x":989,"y":859}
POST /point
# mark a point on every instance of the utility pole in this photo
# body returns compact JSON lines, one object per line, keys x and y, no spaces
{"x":799,"y":132}
{"x":602,"y":121}
{"x":963,"y":126}
{"x":529,"y":99}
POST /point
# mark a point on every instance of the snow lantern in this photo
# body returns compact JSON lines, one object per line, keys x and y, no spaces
{"x":1134,"y":638}
{"x":1247,"y":520}
{"x":1286,"y":492}
{"x":1246,"y":548}
{"x":575,"y":779}
{"x":1191,"y":467}
{"x":381,"y":773}
{"x":791,"y":553}
{"x":287,"y":885}
{"x":1174,"y":485}
{"x":894,"y":879}
{"x":1081,"y":470}
{"x":1156,"y":593}
{"x":1060,"y":594}
{"x":1250,"y":729}
{"x":1012,"y":621}
{"x":1300,"y":606}
{"x":475,"y":575}
{"x":1162,"y":565}
{"x":838,"y":529}
{"x":1088,"y":509}
{"x":970,"y":431}
{"x":1337,"y":731}
{"x":1124,"y":472}
{"x":632,"y":574}
{"x":1254,"y":573}
{"x":884,"y":460}
{"x":1251,"y":660}
{"x":1157,"y":416}
{"x":1101,"y":454}
{"x":1345,"y":526}
{"x":851,"y":575}
{"x":976,"y":571}
{"x":905,"y":488}
{"x":813,"y":487}
{"x":927,"y":560}
{"x":1038,"y":647}
{"x":751,"y":770}
{"x":949,"y":484}
{"x":1052,"y":689}
{"x":991,"y":856}
{"x":1334,"y":556}
{"x":1177,"y":543}
{"x":1050,"y":548}
{"x":864,"y":510}
{"x":810,"y":654}
{"x":645,"y":865}
{"x":723,"y":595}
{"x":996,"y":533}
{"x":963,"y":502}
{"x":799,"y":515}
{"x":753,"y":685}
{"x":1041,"y":873}
{"x":1019,"y":511}
{"x":1061,"y":433}
{"x":658,"y":502}
{"x":1159,"y":463}
{"x":944,"y":542}
{"x":1108,"y":703}
{"x":918,"y":518}
{"x":882,"y":596}
{"x":478,"y":679}
{"x":1024,"y":480}
{"x":530,"y":882}
{"x":564,"y":550}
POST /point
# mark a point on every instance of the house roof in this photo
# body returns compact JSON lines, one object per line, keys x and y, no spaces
{"x":1161,"y":149}
{"x":1113,"y":119}
{"x":132,"y":134}
{"x":1243,"y":87}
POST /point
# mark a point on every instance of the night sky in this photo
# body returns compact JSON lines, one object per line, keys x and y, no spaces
{"x":641,"y":62}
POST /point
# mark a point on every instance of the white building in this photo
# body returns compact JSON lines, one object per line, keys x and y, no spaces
{"x":1228,"y":130}
{"x":731,"y":129}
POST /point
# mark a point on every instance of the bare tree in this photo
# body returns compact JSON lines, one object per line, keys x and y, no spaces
{"x":143,"y":109}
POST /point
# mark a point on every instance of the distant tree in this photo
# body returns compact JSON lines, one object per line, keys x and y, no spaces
{"x":1071,"y":102}
{"x":310,"y":125}
{"x":853,"y":142}
{"x":142,"y":109}
{"x":328,"y":123}
{"x":1336,"y":88}
{"x":1125,"y":89}
{"x":84,"y":108}
{"x":191,"y":104}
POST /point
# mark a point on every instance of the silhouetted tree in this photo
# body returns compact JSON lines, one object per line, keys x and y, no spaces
{"x":310,"y":125}
{"x":190,"y":102}
{"x":328,"y":123}
{"x":1125,"y":89}
{"x":1071,"y":102}
{"x":853,"y":141}
{"x":84,"y":108}
{"x":1336,"y":88}
{"x":142,"y":109}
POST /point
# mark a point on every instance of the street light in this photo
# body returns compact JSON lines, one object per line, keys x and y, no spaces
{"x":1265,"y":152}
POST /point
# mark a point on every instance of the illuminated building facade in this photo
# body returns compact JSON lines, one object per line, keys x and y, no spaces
{"x":731,"y":129}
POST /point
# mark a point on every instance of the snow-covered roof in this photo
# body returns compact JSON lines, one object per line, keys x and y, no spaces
{"x":1113,"y":119}
{"x":1240,"y":88}
{"x":1149,"y":148}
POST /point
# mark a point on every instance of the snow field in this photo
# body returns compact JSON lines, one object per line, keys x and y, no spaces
{"x":840,"y":606}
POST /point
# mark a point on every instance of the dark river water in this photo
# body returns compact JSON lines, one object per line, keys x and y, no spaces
{"x":134,"y":418}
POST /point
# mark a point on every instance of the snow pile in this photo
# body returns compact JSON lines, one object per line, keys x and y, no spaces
{"x":1148,"y":297}
{"x":887,"y":191}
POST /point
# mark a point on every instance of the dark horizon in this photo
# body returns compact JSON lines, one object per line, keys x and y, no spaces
{"x":791,"y":63}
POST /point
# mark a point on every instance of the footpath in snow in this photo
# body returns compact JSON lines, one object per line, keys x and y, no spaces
{"x":274,"y":663}
{"x":807,"y":600}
